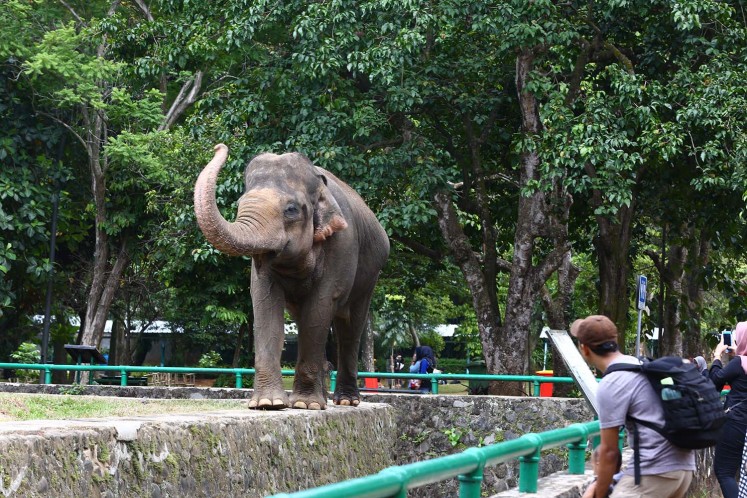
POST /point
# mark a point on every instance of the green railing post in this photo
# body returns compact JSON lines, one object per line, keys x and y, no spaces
{"x":529,"y":465}
{"x":577,"y":451}
{"x":621,"y":438}
{"x":333,"y":380}
{"x":434,"y":385}
{"x":47,"y":375}
{"x":470,"y":484}
{"x":123,"y":377}
{"x":536,"y":388}
{"x":577,"y":457}
{"x":239,"y":380}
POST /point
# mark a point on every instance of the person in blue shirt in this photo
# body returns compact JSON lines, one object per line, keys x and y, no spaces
{"x":423,"y":361}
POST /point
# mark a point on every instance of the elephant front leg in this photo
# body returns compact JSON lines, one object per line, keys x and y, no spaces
{"x":309,"y":391}
{"x":269,"y":334}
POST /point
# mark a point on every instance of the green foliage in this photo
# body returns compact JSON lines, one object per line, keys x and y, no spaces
{"x":452,"y":365}
{"x":229,"y":380}
{"x":72,"y":390}
{"x":434,"y":340}
{"x":400,"y":100}
{"x":453,"y":435}
{"x":467,"y":337}
{"x":27,"y":352}
{"x":211,"y":359}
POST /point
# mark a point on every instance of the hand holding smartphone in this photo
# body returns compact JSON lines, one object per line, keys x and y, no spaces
{"x":726,"y":339}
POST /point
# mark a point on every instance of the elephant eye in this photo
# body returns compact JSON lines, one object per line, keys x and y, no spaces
{"x":291,"y":210}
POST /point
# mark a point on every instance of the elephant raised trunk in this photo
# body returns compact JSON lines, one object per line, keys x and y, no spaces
{"x":254,"y":231}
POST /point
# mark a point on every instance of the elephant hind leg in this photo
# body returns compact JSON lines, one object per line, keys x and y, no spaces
{"x":309,"y":392}
{"x":348,"y":331}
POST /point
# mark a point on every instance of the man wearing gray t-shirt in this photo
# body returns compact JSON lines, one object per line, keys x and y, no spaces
{"x":666,"y":470}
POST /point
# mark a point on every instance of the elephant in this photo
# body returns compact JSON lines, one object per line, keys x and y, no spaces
{"x":317,"y":250}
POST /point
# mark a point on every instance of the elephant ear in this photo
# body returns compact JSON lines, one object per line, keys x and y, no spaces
{"x":328,"y":217}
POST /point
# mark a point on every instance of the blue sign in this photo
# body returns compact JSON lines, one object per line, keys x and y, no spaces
{"x":642,"y":281}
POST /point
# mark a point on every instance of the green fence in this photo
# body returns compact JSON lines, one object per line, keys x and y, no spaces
{"x":466,"y":466}
{"x":124,"y":370}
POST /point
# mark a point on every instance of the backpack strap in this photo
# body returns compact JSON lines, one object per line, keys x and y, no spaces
{"x":629,"y":367}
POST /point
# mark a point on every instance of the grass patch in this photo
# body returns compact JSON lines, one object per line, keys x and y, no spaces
{"x":54,"y":407}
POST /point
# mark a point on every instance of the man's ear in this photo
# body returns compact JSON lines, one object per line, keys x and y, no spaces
{"x":584,"y":350}
{"x":328,"y":217}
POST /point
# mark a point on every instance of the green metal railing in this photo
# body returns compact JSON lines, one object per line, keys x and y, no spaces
{"x":536,"y":380}
{"x":124,"y":370}
{"x":466,"y":466}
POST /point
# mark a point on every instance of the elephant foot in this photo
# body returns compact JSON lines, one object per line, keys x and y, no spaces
{"x":347,"y":400}
{"x":274,"y":401}
{"x":308,"y":401}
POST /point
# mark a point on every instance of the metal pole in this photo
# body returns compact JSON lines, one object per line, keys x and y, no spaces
{"x":50,"y":281}
{"x":638,"y":335}
{"x":52,"y":246}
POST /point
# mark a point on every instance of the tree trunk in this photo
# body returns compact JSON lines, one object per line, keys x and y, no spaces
{"x":670,"y":341}
{"x":237,"y":350}
{"x":684,"y":294}
{"x":542,"y":214}
{"x":413,"y":334}
{"x":60,"y":358}
{"x":103,"y":289}
{"x":368,"y":348}
{"x":613,"y":245}
{"x":557,"y":312}
{"x":698,"y":258}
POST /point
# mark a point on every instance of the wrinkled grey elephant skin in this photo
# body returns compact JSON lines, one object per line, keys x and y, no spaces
{"x":317,"y":251}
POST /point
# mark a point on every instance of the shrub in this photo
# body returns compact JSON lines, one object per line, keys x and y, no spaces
{"x":211,"y":359}
{"x":229,"y":380}
{"x":27,"y":352}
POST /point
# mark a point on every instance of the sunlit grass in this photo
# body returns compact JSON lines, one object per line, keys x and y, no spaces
{"x":46,"y":406}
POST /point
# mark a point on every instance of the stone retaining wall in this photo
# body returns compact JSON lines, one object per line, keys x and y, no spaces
{"x":217,"y":454}
{"x":432,"y":426}
{"x":257,"y":453}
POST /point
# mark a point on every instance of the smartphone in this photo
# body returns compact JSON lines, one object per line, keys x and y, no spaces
{"x":726,"y":336}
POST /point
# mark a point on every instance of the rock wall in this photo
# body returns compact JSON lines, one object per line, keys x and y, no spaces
{"x":225,"y":453}
{"x":258,"y":453}
{"x":433,"y":426}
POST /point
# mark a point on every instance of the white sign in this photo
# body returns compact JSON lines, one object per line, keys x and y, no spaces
{"x":642,"y":281}
{"x":577,"y":367}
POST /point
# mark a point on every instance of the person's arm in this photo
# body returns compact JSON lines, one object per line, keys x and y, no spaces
{"x":589,"y":493}
{"x":721,"y":375}
{"x":424,"y":365}
{"x":609,"y":452}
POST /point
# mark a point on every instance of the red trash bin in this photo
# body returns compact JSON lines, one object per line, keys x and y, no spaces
{"x":371,"y":383}
{"x":545,"y":387}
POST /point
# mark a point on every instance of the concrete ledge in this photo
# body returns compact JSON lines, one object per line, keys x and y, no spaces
{"x":562,"y":484}
{"x":557,"y":485}
{"x":221,"y":453}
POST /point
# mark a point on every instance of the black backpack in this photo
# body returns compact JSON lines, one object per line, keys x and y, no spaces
{"x":693,"y":410}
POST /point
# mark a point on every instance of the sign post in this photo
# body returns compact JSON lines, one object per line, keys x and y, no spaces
{"x":642,"y":281}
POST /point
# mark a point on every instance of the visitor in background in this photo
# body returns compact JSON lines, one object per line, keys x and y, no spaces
{"x":665,"y":470}
{"x":728,"y":457}
{"x":423,"y":361}
{"x":700,"y":362}
{"x":398,"y":366}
